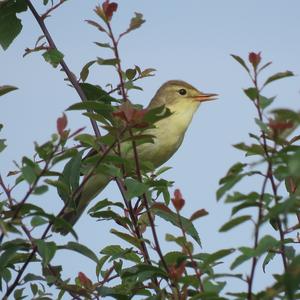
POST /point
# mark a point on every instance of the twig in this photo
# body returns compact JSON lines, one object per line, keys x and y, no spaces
{"x":194,"y":264}
{"x":6,"y":191}
{"x":270,"y":173}
{"x":52,"y":8}
{"x":256,"y":236}
{"x":268,"y":177}
{"x":31,"y":188}
{"x":31,"y":255}
{"x":64,"y":66}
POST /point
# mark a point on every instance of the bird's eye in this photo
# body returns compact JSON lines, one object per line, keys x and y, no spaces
{"x":182,"y":92}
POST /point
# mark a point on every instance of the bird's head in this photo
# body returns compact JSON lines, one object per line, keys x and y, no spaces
{"x":180,"y":95}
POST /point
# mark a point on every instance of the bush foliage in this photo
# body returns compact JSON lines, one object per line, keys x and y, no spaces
{"x":141,"y":270}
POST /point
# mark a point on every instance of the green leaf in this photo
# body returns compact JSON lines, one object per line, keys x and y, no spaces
{"x":239,"y":260}
{"x":82,"y":249}
{"x":39,"y":190}
{"x":278,"y":76}
{"x":61,"y":225}
{"x":18,"y":294}
{"x":264,"y":66}
{"x":253,"y":149}
{"x":165,"y":213}
{"x":2,"y":144}
{"x":104,"y":45}
{"x":136,"y":22}
{"x":46,"y":250}
{"x":32,"y":277}
{"x":107,"y":62}
{"x":34,"y":288}
{"x":65,"y":155}
{"x":241,"y":62}
{"x":87,"y":139}
{"x":85,"y":70}
{"x":144,"y":272}
{"x":96,"y":93}
{"x":7,"y":256}
{"x":95,"y":24}
{"x":100,"y":264}
{"x":94,"y":105}
{"x":263,"y":126}
{"x":264,"y":102}
{"x":291,"y":278}
{"x":126,"y":237}
{"x":214,"y":287}
{"x":53,"y":56}
{"x":238,"y":197}
{"x":294,"y":163}
{"x":162,"y":170}
{"x":251,"y":93}
{"x":10,"y":25}
{"x":38,"y":221}
{"x":216,"y":256}
{"x":70,"y":177}
{"x":148,"y":72}
{"x":175,"y":258}
{"x":117,"y":292}
{"x":116,"y":251}
{"x":29,"y":174}
{"x":230,"y":182}
{"x":234,"y":222}
{"x":4,"y":89}
{"x":130,"y":73}
{"x":135,"y":188}
{"x":267,"y":259}
{"x":265,"y":244}
{"x":180,"y":241}
{"x":104,"y":203}
{"x":244,"y":205}
{"x":6,"y":276}
{"x":110,"y":169}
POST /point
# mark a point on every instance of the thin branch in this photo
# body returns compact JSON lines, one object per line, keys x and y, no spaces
{"x":64,"y":66}
{"x":52,"y":8}
{"x":31,"y":188}
{"x":268,"y":177}
{"x":270,"y":173}
{"x":6,"y":190}
{"x":28,"y":260}
{"x":256,"y":236}
{"x":194,"y":264}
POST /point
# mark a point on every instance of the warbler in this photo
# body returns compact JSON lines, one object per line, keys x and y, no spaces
{"x":183,"y":100}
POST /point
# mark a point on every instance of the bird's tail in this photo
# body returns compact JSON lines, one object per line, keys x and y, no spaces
{"x":91,"y":189}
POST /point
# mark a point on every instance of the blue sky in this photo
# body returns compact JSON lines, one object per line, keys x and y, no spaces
{"x":188,"y":40}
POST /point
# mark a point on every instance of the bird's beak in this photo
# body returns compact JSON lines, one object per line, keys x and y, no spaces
{"x":205,"y":97}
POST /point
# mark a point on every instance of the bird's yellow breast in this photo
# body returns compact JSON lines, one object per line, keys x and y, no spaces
{"x":169,"y":134}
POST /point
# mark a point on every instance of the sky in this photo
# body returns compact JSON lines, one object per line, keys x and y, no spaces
{"x":188,"y":40}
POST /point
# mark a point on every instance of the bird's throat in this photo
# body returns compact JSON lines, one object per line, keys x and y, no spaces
{"x":169,"y":134}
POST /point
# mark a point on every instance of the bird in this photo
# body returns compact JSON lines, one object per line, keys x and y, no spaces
{"x":183,"y":100}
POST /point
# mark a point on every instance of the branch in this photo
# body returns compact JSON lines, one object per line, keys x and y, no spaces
{"x":270,"y":175}
{"x":52,"y":8}
{"x":64,"y":66}
{"x":31,"y":188}
{"x":194,"y":264}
